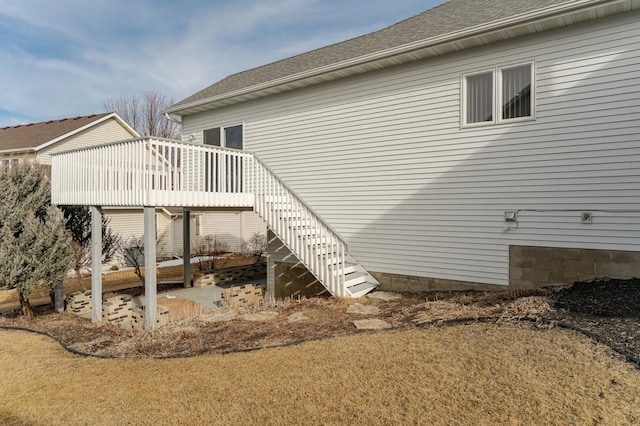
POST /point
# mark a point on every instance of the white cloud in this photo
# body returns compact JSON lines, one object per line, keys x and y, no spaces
{"x":66,"y":57}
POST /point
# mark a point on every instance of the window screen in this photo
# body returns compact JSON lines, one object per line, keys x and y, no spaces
{"x":479,"y":98}
{"x":516,"y":92}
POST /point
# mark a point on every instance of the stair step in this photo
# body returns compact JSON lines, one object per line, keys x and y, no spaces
{"x":313,"y":239}
{"x":361,"y":289}
{"x":348,"y":268}
{"x":355,"y":278}
{"x":323,"y":249}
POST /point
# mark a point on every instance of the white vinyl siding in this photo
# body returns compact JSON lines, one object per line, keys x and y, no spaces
{"x":107,"y":131}
{"x":129,"y":223}
{"x":230,"y":227}
{"x":383,"y":159}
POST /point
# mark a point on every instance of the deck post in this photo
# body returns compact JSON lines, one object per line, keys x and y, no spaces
{"x":186,"y":247}
{"x":150,"y":287}
{"x":96,"y":264}
{"x":58,"y":296}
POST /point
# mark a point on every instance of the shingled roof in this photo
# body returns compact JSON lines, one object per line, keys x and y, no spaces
{"x":31,"y":136}
{"x":448,"y":18}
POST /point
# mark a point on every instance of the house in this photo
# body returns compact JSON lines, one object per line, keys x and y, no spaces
{"x":38,"y":141}
{"x":477,"y":145}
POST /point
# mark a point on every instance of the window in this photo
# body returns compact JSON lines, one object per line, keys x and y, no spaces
{"x":229,"y":137}
{"x":513,"y":90}
{"x":480,"y":98}
{"x":516,"y":92}
{"x":212,"y":137}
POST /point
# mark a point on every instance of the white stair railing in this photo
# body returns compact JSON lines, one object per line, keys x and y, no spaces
{"x":313,"y":242}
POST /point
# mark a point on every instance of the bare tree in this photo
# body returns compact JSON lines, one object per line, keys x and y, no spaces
{"x":144,"y":113}
{"x":209,"y":251}
{"x":132,"y":250}
{"x":79,"y":225}
{"x":256,"y":246}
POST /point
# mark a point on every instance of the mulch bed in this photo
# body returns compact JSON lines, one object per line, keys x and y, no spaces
{"x":607,"y":310}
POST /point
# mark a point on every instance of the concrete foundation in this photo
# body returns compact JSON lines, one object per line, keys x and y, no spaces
{"x":396,"y":282}
{"x":550,"y":266}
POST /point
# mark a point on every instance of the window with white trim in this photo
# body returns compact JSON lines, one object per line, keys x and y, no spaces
{"x":229,"y":136}
{"x":510,"y":98}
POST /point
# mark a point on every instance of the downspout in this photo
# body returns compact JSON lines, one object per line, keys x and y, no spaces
{"x":173,"y":120}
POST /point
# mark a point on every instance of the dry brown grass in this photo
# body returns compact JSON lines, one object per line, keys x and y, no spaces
{"x":472,"y":374}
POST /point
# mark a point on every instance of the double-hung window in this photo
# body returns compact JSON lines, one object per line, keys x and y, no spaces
{"x":229,"y":136}
{"x":499,"y":95}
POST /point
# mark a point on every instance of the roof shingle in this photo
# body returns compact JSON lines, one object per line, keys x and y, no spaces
{"x":449,"y":17}
{"x":30,"y":136}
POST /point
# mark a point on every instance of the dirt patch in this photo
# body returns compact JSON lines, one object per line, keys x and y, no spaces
{"x":606,"y":309}
{"x":179,"y":308}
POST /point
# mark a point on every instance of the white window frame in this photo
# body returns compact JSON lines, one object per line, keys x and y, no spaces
{"x":496,"y":96}
{"x":464,"y":99}
{"x":532,"y":95}
{"x":223,"y":142}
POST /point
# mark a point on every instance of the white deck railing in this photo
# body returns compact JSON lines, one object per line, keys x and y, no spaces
{"x":152,"y":172}
{"x":165,"y":173}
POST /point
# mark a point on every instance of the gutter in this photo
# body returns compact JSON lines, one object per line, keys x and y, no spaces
{"x":406,"y":48}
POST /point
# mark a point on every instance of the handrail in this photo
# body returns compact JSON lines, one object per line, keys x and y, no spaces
{"x":300,"y":229}
{"x":300,"y":199}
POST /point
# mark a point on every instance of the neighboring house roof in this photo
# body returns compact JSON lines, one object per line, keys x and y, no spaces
{"x":452,"y":21}
{"x":35,"y":136}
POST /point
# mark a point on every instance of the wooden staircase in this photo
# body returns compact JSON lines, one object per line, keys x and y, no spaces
{"x":316,"y":245}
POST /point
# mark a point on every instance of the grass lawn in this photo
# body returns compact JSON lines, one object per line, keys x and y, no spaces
{"x":468,"y":374}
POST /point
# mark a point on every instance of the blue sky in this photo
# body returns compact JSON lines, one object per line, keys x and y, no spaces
{"x":64,"y":58}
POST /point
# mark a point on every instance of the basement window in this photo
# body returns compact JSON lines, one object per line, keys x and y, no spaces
{"x":486,"y":101}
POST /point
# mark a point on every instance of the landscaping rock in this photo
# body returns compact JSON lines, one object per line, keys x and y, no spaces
{"x":385,"y":296}
{"x":371,"y":324}
{"x":260,"y":316}
{"x":221,"y":316}
{"x":360,"y":309}
{"x":297,"y":316}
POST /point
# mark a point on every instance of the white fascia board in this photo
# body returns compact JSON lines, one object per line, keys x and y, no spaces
{"x":470,"y":32}
{"x":17,"y":151}
{"x":127,"y":127}
{"x":88,"y":126}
